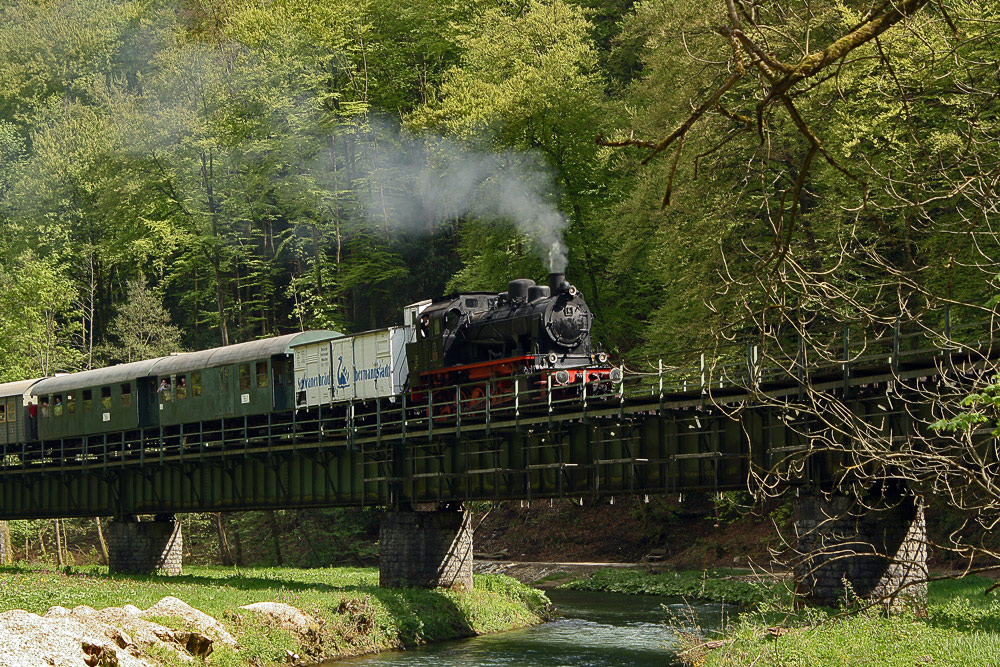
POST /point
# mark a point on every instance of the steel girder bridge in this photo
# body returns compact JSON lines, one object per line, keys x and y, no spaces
{"x":703,"y":426}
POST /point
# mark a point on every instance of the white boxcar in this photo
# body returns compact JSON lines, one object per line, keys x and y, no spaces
{"x":357,"y":367}
{"x":313,"y":381}
{"x":362,"y":366}
{"x":369,"y":365}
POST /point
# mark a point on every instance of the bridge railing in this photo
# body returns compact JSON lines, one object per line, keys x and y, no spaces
{"x":727,"y":369}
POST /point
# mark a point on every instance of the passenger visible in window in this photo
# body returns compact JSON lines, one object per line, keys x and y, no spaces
{"x":45,"y":409}
{"x":181,"y":388}
{"x":164,"y":390}
{"x":57,"y":407}
{"x":33,"y":420}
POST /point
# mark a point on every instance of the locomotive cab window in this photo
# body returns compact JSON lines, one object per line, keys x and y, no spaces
{"x":126,"y":394}
{"x":70,"y":404}
{"x":106,"y":398}
{"x":88,"y":399}
{"x":195,"y":385}
{"x":244,"y":377}
{"x":182,"y":389}
{"x":261,"y":374}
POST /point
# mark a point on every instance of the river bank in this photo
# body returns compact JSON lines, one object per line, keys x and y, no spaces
{"x":961,"y":628}
{"x":352,"y":614}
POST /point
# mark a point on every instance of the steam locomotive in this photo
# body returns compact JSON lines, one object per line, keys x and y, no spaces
{"x":479,"y":348}
{"x":536,"y":330}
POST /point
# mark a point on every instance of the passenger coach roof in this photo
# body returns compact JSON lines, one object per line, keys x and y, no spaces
{"x":95,"y":378}
{"x":234,"y":354}
{"x":15,"y":388}
{"x":181,"y":363}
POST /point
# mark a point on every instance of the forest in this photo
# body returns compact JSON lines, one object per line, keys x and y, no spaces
{"x":181,"y":174}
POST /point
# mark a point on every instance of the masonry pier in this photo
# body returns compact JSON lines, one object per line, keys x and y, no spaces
{"x":868,"y":549}
{"x":145,"y":547}
{"x":426,"y":549}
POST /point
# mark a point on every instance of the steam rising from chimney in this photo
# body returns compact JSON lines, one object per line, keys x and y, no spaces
{"x":416,"y":182}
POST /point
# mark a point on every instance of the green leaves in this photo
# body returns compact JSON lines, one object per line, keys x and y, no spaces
{"x":37,"y":328}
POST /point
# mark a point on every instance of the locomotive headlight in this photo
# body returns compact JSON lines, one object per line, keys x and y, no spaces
{"x":553,"y":358}
{"x":602,"y":357}
{"x":562,"y":377}
{"x":615,"y":375}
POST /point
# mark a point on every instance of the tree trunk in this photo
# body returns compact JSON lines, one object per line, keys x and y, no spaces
{"x":225,"y":553}
{"x":65,"y":542}
{"x":59,"y":546}
{"x":8,"y":548}
{"x":272,"y":521}
{"x":100,"y":540}
{"x":41,"y":542}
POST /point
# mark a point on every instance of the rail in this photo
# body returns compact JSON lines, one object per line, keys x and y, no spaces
{"x":733,"y":372}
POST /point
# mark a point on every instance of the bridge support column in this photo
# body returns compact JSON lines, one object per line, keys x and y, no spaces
{"x":868,"y":550}
{"x":145,"y":547}
{"x":426,"y":549}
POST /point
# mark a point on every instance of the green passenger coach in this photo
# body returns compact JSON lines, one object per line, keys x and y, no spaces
{"x":117,"y":398}
{"x":14,"y":422}
{"x":240,"y":380}
{"x":234,"y":381}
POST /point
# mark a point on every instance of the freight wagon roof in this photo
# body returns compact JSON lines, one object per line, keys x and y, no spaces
{"x":15,"y":388}
{"x":257,"y":350}
{"x":95,"y":378}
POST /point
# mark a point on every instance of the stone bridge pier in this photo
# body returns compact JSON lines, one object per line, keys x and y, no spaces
{"x":426,"y":549}
{"x":145,"y":547}
{"x":867,"y":549}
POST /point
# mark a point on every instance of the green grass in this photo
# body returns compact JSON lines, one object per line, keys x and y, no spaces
{"x":357,"y":615}
{"x":720,"y":585}
{"x":962,"y":629}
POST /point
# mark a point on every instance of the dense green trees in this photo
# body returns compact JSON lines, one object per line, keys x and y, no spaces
{"x":243,"y":158}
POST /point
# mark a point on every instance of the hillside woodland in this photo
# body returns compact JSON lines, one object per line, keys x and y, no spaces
{"x":182,"y":174}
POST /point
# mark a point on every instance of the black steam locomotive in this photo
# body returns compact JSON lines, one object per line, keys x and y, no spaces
{"x":539,"y":331}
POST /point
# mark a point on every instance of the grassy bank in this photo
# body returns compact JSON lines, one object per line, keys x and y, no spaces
{"x":719,"y":585}
{"x":356,"y":615}
{"x":962,"y":629}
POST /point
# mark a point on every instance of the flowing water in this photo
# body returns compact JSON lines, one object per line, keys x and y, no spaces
{"x":593,"y":630}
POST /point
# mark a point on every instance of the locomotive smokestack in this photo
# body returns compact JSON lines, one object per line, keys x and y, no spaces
{"x":557,"y":283}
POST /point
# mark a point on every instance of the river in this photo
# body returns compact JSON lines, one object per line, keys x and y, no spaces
{"x":593,"y":630}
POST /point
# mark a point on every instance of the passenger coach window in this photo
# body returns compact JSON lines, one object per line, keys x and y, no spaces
{"x":106,"y":398}
{"x":3,"y":413}
{"x":165,"y":391}
{"x":182,"y":387}
{"x":245,"y":377}
{"x":277,"y":368}
{"x":88,"y":397}
{"x":57,"y":405}
{"x":195,"y":385}
{"x":126,"y":394}
{"x":70,"y":404}
{"x":261,"y":374}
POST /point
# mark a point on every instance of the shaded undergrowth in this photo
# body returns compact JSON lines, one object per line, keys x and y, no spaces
{"x":718,"y":585}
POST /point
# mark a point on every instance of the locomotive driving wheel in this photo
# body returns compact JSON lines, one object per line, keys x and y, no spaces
{"x":474,"y":400}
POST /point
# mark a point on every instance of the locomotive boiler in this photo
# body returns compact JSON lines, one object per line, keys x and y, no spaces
{"x":539,"y":329}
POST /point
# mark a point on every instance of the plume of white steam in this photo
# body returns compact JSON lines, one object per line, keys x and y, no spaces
{"x":415,"y":182}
